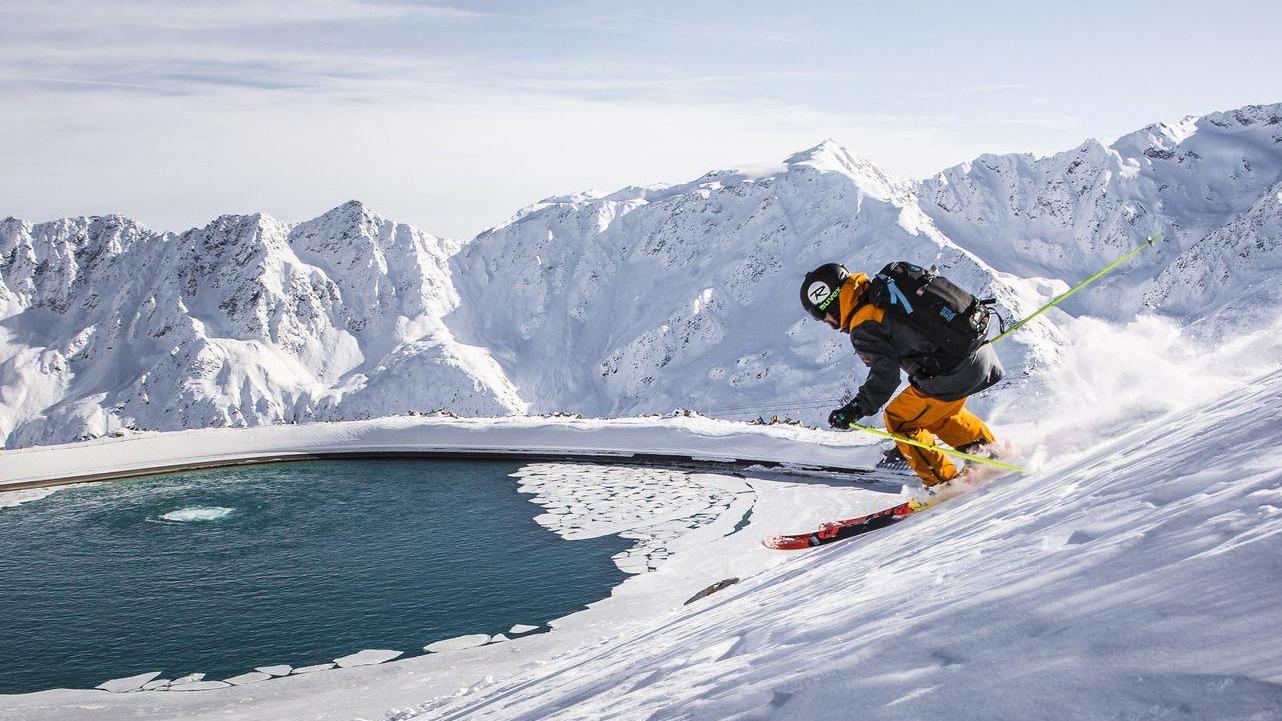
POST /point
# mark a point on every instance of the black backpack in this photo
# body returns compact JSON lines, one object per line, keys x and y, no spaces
{"x":951,"y":318}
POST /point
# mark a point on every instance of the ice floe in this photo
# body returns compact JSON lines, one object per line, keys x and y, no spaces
{"x":368,"y":657}
{"x":248,"y":678}
{"x":128,"y":683}
{"x":9,"y":499}
{"x":313,"y":668}
{"x":197,"y":513}
{"x":521,"y":628}
{"x":458,"y":643}
{"x":281,"y":669}
{"x":649,"y":505}
{"x":200,"y":686}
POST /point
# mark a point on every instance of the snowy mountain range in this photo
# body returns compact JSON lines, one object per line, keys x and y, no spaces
{"x":637,"y":301}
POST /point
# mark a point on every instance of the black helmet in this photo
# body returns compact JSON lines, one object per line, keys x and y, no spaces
{"x":820,"y":288}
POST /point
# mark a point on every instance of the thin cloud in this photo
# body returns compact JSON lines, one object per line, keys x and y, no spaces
{"x":665,"y":81}
{"x":74,"y":84}
{"x":1059,"y":122}
{"x":451,"y":118}
{"x":202,"y":47}
{"x":85,"y":15}
{"x":718,"y":29}
{"x":968,"y":90}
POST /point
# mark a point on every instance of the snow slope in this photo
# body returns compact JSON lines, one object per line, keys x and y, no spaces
{"x":1132,"y":575}
{"x":1135,"y":580}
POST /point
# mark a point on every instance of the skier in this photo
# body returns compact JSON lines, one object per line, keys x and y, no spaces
{"x":945,"y":355}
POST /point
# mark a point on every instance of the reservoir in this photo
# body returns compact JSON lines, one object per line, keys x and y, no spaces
{"x":220,"y":571}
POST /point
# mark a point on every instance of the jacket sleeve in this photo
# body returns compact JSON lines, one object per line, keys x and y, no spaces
{"x":878,"y":353}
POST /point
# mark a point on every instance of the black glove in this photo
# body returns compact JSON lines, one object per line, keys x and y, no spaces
{"x":845,"y":416}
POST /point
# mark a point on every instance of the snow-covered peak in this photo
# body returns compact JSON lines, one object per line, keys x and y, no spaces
{"x":1157,"y":136}
{"x":353,"y":216}
{"x":47,"y":264}
{"x":1066,"y":215}
{"x":831,"y":157}
{"x":826,"y":158}
{"x":1236,"y":267}
{"x":241,"y":322}
{"x":685,"y":295}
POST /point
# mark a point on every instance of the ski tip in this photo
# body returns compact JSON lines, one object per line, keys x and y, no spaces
{"x":785,"y":543}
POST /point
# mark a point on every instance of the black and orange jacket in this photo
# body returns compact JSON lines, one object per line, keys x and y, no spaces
{"x":887,"y":346}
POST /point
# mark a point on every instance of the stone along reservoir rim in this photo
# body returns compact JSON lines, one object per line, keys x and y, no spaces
{"x":225,"y":570}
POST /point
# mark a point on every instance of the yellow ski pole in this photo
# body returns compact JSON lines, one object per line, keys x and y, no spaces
{"x":927,"y":446}
{"x":1061,"y":298}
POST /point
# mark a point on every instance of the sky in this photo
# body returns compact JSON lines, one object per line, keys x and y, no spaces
{"x":453,"y":117}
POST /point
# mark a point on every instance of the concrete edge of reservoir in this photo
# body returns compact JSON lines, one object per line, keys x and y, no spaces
{"x":696,"y":443}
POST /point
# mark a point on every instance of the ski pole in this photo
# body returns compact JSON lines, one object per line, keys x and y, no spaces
{"x":1059,"y":299}
{"x":927,"y":446}
{"x":1151,"y":239}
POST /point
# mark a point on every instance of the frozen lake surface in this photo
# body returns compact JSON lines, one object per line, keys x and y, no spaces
{"x":222,"y":571}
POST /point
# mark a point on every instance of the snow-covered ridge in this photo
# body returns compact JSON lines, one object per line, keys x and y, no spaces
{"x":683,"y":295}
{"x":1065,"y":215}
{"x":635,"y":301}
{"x":243,"y":322}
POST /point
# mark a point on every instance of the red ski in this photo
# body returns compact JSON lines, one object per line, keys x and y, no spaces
{"x":837,"y":530}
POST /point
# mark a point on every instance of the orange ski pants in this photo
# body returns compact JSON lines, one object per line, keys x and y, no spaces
{"x":922,"y":418}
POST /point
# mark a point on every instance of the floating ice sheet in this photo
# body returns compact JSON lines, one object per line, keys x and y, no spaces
{"x":458,"y":643}
{"x":248,"y":678}
{"x":197,"y":514}
{"x":200,"y":686}
{"x":368,"y":657}
{"x":9,"y":499}
{"x":128,"y":683}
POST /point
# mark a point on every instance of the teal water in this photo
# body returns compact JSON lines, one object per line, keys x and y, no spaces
{"x":299,"y":563}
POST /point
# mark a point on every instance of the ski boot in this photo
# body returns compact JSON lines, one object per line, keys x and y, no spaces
{"x":893,"y":460}
{"x":979,"y":473}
